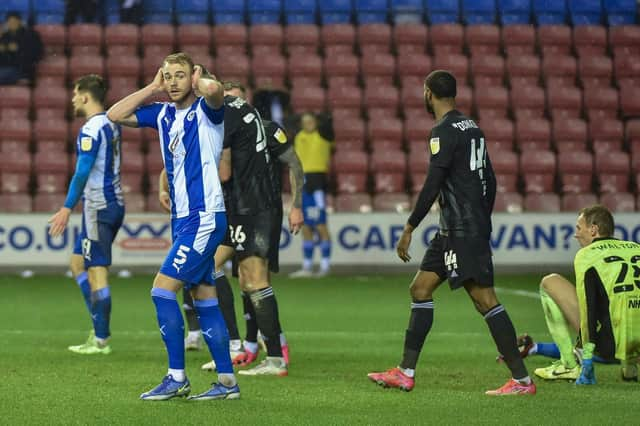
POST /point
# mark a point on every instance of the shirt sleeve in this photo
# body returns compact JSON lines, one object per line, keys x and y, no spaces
{"x":428,"y":195}
{"x":277,"y":140}
{"x":442,"y":144}
{"x":79,"y":179}
{"x":216,"y":116}
{"x":147,"y":115}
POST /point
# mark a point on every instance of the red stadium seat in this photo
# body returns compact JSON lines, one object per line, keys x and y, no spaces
{"x":343,"y":35}
{"x":417,"y":129}
{"x":342,"y":65}
{"x":351,"y":162}
{"x":132,"y":182}
{"x":417,"y":180}
{"x":509,"y":202}
{"x":626,"y":67}
{"x":379,"y":64}
{"x":412,"y":97}
{"x":389,"y":162}
{"x":575,"y":170}
{"x":151,"y":203}
{"x":457,"y":64}
{"x":340,"y":114}
{"x":413,"y":64}
{"x":15,"y":203}
{"x":601,"y":102}
{"x":575,"y":202}
{"x":158,"y":35}
{"x":391,"y":202}
{"x":632,"y":132}
{"x":193,"y":34}
{"x":154,"y":161}
{"x":266,"y":34}
{"x":491,"y":101}
{"x":419,"y":158}
{"x":353,"y":203}
{"x":47,"y":163}
{"x":554,"y":39}
{"x":133,"y":162}
{"x":505,"y":166}
{"x":85,"y":39}
{"x":350,"y":183}
{"x":544,"y":203}
{"x":613,"y":169}
{"x":80,"y":65}
{"x":499,"y":134}
{"x":528,"y":102}
{"x":382,"y":96}
{"x":232,"y":35}
{"x":624,"y":40}
{"x":630,"y":102}
{"x":464,"y":99}
{"x":127,"y":66}
{"x":487,"y":70}
{"x":15,"y":97}
{"x":13,"y":145}
{"x":565,"y":102}
{"x":15,"y":171}
{"x":595,"y":71}
{"x":54,"y":183}
{"x":136,"y":202}
{"x":58,"y":114}
{"x":385,"y":129}
{"x":54,"y":38}
{"x":306,"y":99}
{"x":483,"y":39}
{"x":538,"y":171}
{"x":619,"y":202}
{"x":533,"y":130}
{"x":606,"y":135}
{"x":590,"y":40}
{"x":446,"y":38}
{"x":269,"y":71}
{"x":53,"y":66}
{"x":346,"y":97}
{"x":374,"y":38}
{"x":571,"y":131}
{"x":519,"y":39}
{"x":122,"y":39}
{"x":47,"y":202}
{"x":233,"y":68}
{"x":560,"y":68}
{"x":523,"y":70}
{"x":52,"y":97}
{"x":302,"y":39}
{"x":389,"y":182}
{"x":410,"y":38}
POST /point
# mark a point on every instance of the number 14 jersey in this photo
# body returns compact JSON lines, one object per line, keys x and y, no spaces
{"x":466,"y":198}
{"x":249,"y":191}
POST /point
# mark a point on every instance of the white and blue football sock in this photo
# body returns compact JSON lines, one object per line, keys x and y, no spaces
{"x":171,"y":326}
{"x":215,"y":333}
{"x":101,"y":312}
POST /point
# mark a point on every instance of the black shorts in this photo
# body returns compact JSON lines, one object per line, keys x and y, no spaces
{"x":459,"y":260}
{"x":254,"y":235}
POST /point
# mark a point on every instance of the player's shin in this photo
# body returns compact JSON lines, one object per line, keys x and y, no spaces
{"x":83,"y":283}
{"x":558,"y":328}
{"x":225,"y":299}
{"x":266,"y":309}
{"x":420,"y":323}
{"x":251,"y":336}
{"x":504,"y":335}
{"x":171,"y":328}
{"x":101,"y":313}
{"x":214,"y":331}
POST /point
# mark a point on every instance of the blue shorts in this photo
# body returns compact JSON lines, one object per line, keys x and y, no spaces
{"x":314,"y":208}
{"x":99,"y":230}
{"x":195,"y":240}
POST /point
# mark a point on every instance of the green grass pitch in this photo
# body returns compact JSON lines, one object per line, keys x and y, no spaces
{"x":339,"y":329}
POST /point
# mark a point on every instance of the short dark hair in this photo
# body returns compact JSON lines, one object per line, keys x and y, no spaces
{"x":205,"y":71}
{"x":442,"y":83}
{"x":94,"y":85}
{"x":600,"y":216}
{"x":233,"y":84}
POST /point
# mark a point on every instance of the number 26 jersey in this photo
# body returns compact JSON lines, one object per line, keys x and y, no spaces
{"x":249,"y":190}
{"x":467,"y":195}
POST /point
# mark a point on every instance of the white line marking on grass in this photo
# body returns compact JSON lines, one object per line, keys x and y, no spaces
{"x":523,"y":293}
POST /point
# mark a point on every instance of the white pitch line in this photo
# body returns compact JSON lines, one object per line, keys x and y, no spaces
{"x":523,"y":293}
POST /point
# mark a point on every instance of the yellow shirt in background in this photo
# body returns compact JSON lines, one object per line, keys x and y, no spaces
{"x":314,"y":152}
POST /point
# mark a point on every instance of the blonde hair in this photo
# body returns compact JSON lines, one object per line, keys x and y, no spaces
{"x":179,"y":58}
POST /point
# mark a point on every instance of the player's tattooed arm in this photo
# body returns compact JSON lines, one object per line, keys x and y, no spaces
{"x":296,"y":174}
{"x":210,"y":88}
{"x":123,"y":111}
{"x":224,"y":170}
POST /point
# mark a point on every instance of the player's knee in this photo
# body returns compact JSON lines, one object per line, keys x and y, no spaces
{"x":547,"y":281}
{"x":419,"y":291}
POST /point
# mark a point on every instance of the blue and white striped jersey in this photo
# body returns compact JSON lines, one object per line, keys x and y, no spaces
{"x":191,"y":143}
{"x":100,"y":139}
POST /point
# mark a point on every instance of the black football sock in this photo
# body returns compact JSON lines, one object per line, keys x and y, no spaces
{"x":250,"y":318}
{"x":266,"y":308}
{"x":189,"y":311}
{"x":225,"y":300}
{"x":420,"y":323}
{"x":504,"y":334}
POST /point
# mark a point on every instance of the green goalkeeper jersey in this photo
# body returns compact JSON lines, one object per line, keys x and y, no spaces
{"x":608,"y":271}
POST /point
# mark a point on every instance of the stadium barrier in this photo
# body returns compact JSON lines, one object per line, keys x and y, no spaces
{"x":527,"y":240}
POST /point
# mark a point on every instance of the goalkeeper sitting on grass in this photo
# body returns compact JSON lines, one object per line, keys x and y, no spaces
{"x":603,"y":307}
